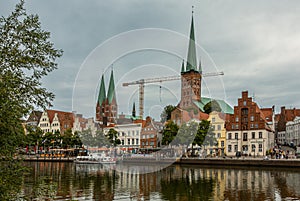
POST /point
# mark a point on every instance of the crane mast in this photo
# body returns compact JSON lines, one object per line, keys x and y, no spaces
{"x":142,"y":83}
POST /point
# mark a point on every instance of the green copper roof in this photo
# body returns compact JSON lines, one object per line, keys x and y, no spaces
{"x":111,"y":88}
{"x":226,"y":108}
{"x":102,"y":94}
{"x":192,"y":56}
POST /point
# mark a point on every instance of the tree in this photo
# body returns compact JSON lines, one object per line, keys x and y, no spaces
{"x":202,"y":131}
{"x":34,"y":136}
{"x":212,"y":106}
{"x":112,"y":136}
{"x":169,"y":132}
{"x":166,"y":114}
{"x":186,"y":134}
{"x":26,"y":56}
{"x":87,"y":138}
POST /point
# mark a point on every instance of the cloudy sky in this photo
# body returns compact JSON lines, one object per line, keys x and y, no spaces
{"x":255,"y":43}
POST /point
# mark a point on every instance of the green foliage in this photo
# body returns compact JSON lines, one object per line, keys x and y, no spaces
{"x":202,"y":131}
{"x":169,"y":132}
{"x":67,"y":139}
{"x":88,"y":139}
{"x":112,"y":136}
{"x":26,"y":56}
{"x":186,"y":134}
{"x":212,"y":106}
{"x":11,"y":174}
{"x":166,"y":114}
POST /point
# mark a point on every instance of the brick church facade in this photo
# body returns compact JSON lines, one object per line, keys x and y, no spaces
{"x":106,"y":106}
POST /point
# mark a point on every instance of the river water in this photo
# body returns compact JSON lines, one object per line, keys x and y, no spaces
{"x":69,"y":181}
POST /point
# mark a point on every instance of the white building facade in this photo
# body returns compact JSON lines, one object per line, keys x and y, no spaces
{"x":249,"y":142}
{"x":129,"y":135}
{"x":292,"y":134}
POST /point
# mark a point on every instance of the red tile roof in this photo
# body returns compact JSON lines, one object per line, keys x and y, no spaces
{"x":60,"y":114}
{"x":267,"y":113}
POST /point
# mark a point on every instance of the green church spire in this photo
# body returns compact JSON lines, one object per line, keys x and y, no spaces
{"x":133,"y":110}
{"x":182,"y":67}
{"x":102,"y":94}
{"x":192,"y":56}
{"x":111,"y":88}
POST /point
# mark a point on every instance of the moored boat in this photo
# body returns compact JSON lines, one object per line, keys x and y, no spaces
{"x":95,"y":159}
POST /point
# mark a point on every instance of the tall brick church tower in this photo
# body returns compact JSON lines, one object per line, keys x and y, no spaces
{"x":106,"y":106}
{"x":190,"y":75}
{"x":190,"y":105}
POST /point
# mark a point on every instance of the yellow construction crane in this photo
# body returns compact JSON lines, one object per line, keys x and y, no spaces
{"x":142,"y":83}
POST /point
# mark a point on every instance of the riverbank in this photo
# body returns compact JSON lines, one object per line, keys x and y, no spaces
{"x":255,"y":162}
{"x":48,"y":159}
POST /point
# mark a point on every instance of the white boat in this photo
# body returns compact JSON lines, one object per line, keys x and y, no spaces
{"x":95,"y":159}
{"x":87,"y":160}
{"x":108,"y":160}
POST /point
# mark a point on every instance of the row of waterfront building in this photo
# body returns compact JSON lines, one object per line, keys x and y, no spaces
{"x":244,"y":128}
{"x":248,"y":129}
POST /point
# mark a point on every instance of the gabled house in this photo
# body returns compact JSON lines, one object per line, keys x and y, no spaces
{"x":55,"y":120}
{"x":248,"y":130}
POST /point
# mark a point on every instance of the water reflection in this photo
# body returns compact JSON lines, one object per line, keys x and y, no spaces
{"x":69,"y":181}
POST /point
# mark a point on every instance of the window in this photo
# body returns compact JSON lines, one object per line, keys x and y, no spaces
{"x":245,"y":148}
{"x":236,"y":135}
{"x":253,"y":135}
{"x":232,"y":126}
{"x":256,"y":125}
{"x":151,"y":143}
{"x":213,"y":119}
{"x":245,"y":136}
{"x":219,"y":127}
{"x":260,"y":135}
{"x":244,"y":111}
{"x":219,"y":135}
{"x":122,"y":142}
{"x":245,"y":103}
{"x":236,"y":126}
{"x":235,"y":148}
{"x":236,"y":119}
{"x":252,"y":118}
{"x":251,"y":125}
{"x":128,"y":141}
{"x":229,"y":136}
{"x":260,"y":147}
{"x":229,"y":148}
{"x":222,"y":143}
{"x":253,"y":148}
{"x":136,"y":141}
{"x":132,"y":141}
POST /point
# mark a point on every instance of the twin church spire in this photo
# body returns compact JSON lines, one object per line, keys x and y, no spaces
{"x":106,"y":106}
